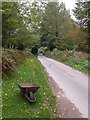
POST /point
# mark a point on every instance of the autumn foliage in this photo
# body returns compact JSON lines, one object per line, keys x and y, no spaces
{"x":78,"y":37}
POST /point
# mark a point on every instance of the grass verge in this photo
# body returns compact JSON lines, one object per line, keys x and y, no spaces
{"x":13,"y":106}
{"x":77,"y":60}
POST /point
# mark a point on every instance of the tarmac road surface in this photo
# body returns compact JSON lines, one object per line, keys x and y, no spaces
{"x":73,"y":82}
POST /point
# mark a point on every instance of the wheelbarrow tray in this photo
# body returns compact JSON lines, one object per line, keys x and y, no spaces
{"x":31,"y":87}
{"x":25,"y":88}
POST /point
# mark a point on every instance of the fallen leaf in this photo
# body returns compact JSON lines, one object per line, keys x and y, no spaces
{"x":62,"y":113}
{"x":5,"y":105}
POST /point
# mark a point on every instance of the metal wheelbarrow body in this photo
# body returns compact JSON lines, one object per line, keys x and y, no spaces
{"x":28,"y":90}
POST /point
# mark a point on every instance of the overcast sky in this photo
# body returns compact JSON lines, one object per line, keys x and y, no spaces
{"x":69,"y":5}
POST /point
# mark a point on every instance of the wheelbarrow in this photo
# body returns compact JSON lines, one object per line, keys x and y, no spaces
{"x":28,"y":90}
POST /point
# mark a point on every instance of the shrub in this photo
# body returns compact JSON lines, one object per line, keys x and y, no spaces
{"x":42,"y":50}
{"x":10,"y":59}
{"x":34,"y":50}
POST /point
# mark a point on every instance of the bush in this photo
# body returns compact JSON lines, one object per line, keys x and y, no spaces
{"x":42,"y":50}
{"x":78,"y":60}
{"x":34,"y":50}
{"x":56,"y":51}
{"x":10,"y":59}
{"x":21,"y":47}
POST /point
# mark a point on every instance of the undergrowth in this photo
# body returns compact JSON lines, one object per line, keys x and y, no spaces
{"x":10,"y":59}
{"x":77,"y":60}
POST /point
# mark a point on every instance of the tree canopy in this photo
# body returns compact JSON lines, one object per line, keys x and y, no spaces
{"x":55,"y":25}
{"x":81,"y":13}
{"x":18,"y":26}
{"x":44,"y":24}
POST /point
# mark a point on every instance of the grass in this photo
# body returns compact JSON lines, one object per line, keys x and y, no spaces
{"x":0,"y":81}
{"x":0,"y":97}
{"x":13,"y":106}
{"x":78,"y":64}
{"x":75,"y":59}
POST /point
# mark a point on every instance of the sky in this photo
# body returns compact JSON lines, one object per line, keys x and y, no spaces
{"x":69,"y":5}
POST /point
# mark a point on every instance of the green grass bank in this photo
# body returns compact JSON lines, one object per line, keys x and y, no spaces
{"x":13,"y":106}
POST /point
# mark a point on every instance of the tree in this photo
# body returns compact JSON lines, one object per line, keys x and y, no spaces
{"x":20,"y":24}
{"x":55,"y":25}
{"x":81,"y":13}
{"x":78,"y":38}
{"x":49,"y":25}
{"x":11,"y":22}
{"x":32,"y":15}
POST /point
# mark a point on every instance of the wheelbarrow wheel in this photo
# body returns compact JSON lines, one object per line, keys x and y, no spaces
{"x":32,"y":97}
